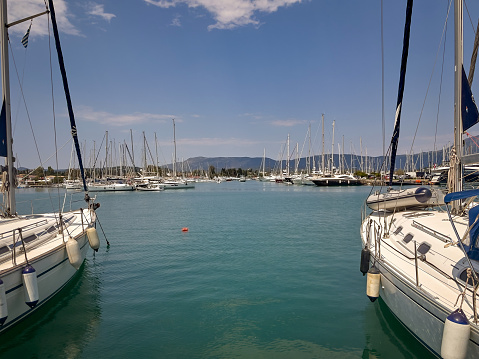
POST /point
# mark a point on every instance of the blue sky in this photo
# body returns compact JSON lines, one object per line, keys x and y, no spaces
{"x":238,"y":76}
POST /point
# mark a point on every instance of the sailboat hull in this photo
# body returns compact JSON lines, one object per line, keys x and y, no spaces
{"x":420,"y":315}
{"x":420,"y":291}
{"x":50,"y":260}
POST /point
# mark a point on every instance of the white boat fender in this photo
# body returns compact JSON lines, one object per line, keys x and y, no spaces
{"x":373,"y":283}
{"x":74,"y":253}
{"x":93,"y":239}
{"x":30,"y":285}
{"x":3,"y":304}
{"x":364,"y":266}
{"x":455,"y":337}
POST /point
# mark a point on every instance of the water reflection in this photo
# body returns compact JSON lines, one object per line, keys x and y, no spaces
{"x":386,"y":337}
{"x":63,"y":325}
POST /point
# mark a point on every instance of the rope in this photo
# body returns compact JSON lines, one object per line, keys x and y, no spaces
{"x":453,"y":160}
{"x":108,"y":243}
{"x":463,"y":294}
{"x":472,"y":138}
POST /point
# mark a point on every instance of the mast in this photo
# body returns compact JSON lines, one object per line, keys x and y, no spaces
{"x":6,"y":111}
{"x":287,"y":157}
{"x":66,"y":89}
{"x":174,"y":143}
{"x":264,"y":159}
{"x":402,"y":80}
{"x":322,"y":153}
{"x":309,"y":150}
{"x":145,"y":165}
{"x":156,"y":150}
{"x":332,"y":152}
{"x":458,"y":61}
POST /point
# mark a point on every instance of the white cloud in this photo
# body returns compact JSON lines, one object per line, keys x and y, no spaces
{"x":288,"y":123}
{"x":106,"y":118}
{"x":176,"y":21}
{"x":20,"y":9}
{"x":229,"y":13}
{"x":99,"y":10}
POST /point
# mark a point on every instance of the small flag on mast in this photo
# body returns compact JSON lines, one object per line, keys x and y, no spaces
{"x":25,"y":37}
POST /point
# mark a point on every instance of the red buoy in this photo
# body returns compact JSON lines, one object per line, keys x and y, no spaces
{"x":184,"y":229}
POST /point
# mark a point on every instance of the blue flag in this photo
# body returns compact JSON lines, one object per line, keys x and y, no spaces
{"x":25,"y":37}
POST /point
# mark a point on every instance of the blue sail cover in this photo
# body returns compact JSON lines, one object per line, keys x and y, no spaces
{"x":402,"y":81}
{"x":3,"y":131}
{"x":470,"y":115}
{"x":454,"y":196}
{"x":67,"y":91}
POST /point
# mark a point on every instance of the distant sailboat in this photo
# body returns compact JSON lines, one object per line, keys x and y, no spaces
{"x":175,"y":182}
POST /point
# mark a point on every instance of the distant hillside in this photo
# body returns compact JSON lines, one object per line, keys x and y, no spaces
{"x":350,"y":162}
{"x":203,"y":163}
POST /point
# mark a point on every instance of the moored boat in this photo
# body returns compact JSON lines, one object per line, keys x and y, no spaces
{"x":39,"y":253}
{"x":421,"y":250}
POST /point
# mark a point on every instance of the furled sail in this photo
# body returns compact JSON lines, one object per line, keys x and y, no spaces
{"x":402,"y":79}
{"x":3,"y":131}
{"x":470,"y":115}
{"x":67,"y":91}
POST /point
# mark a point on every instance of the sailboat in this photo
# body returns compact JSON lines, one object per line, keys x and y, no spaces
{"x":175,"y":182}
{"x":40,"y":253}
{"x":108,"y":184}
{"x":421,"y":248}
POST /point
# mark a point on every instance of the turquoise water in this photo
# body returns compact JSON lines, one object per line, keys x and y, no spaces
{"x":265,"y":271}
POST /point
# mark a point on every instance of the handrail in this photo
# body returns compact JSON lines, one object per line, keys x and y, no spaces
{"x":432,"y":232}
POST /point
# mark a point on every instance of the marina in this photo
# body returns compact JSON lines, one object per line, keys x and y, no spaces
{"x":265,"y":270}
{"x":322,"y":251}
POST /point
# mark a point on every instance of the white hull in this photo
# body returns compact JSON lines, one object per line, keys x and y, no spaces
{"x":178,"y":185}
{"x":420,"y":301}
{"x":49,"y":258}
{"x":337,"y":180}
{"x":112,"y":187}
{"x":151,"y":187}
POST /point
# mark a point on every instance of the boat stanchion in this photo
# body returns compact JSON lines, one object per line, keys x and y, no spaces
{"x":365,"y":256}
{"x":455,"y":337}
{"x":3,"y":304}
{"x":29,"y":278}
{"x":373,"y":283}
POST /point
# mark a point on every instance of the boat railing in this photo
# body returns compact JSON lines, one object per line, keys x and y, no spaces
{"x":418,"y":269}
{"x":15,"y":241}
{"x":431,"y":232}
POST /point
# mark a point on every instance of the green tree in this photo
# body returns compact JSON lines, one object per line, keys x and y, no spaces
{"x":38,"y":172}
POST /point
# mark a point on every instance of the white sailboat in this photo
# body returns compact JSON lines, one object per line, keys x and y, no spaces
{"x":175,"y":182}
{"x":39,"y":253}
{"x":423,"y":258}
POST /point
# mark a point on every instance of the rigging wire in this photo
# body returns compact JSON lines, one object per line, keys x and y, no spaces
{"x":382,"y":83}
{"x":53,"y":112}
{"x":440,"y":87}
{"x":25,"y":103}
{"x":21,"y":81}
{"x":430,"y":78}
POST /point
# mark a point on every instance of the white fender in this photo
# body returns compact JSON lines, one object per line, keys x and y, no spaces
{"x":93,"y":239}
{"x":74,"y":253}
{"x":3,"y":304}
{"x":29,"y":277}
{"x":373,"y":283}
{"x":455,"y":338}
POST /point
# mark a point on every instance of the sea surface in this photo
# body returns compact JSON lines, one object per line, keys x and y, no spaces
{"x":265,"y":270}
